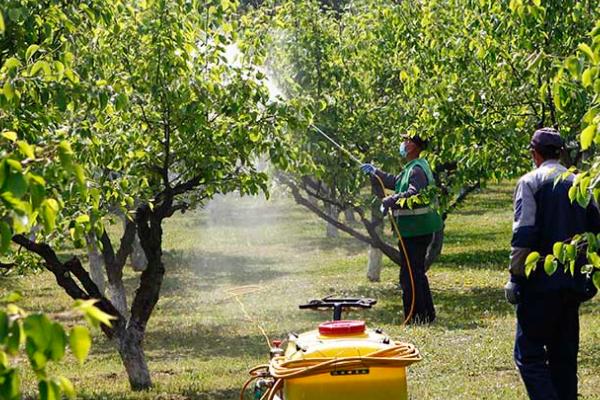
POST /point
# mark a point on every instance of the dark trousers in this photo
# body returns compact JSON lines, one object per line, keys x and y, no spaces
{"x":546,"y":345}
{"x":424,"y":312}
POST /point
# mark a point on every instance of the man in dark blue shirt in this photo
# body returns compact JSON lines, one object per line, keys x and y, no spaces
{"x":547,"y":337}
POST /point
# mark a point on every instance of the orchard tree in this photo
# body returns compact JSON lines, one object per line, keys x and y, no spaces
{"x":128,"y":105}
{"x":475,"y":78}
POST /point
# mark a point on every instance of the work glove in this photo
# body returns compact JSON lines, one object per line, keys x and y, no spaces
{"x":368,"y":169}
{"x":388,"y":202}
{"x":512,"y":292}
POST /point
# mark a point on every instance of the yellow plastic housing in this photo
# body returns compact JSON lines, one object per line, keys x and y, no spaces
{"x":380,"y":383}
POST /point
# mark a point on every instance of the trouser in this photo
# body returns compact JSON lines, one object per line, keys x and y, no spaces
{"x":546,"y":345}
{"x":423,"y":312}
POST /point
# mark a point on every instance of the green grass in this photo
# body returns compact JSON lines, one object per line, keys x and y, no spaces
{"x":200,"y":345}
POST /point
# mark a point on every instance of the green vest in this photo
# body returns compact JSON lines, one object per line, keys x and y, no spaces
{"x":419,"y":220}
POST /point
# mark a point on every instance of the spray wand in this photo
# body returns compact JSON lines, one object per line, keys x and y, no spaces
{"x":390,"y":216}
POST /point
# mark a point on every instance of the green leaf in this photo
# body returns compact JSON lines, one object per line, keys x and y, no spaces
{"x":10,"y":135}
{"x":121,"y":102}
{"x":58,"y":342}
{"x":37,"y":193}
{"x":60,"y":69}
{"x":570,"y":252}
{"x":79,"y":175}
{"x":26,"y":149}
{"x":16,"y":184}
{"x":12,"y":297}
{"x":12,"y":63}
{"x":531,"y":262}
{"x":49,"y":390}
{"x":65,"y":154}
{"x":592,"y":242}
{"x":550,"y":264}
{"x":38,"y":66}
{"x":49,"y":210}
{"x":37,"y":328}
{"x":8,"y":90}
{"x":80,"y":342}
{"x":254,"y":136}
{"x":587,"y":137}
{"x":93,"y":315}
{"x":67,"y":387}
{"x":31,"y":51}
{"x":587,"y":50}
{"x":594,"y":259}
{"x":558,"y":251}
{"x":2,"y":26}
{"x":5,"y":236}
{"x":10,"y":388}
{"x":587,"y":77}
{"x":596,"y":279}
{"x":3,"y":327}
{"x":83,"y":219}
{"x":4,"y":363}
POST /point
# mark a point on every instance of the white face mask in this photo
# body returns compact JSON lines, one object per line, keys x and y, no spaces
{"x":403,"y":150}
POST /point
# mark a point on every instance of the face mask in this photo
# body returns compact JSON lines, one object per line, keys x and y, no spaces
{"x":403,"y":150}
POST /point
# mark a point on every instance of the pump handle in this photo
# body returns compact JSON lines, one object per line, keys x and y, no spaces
{"x":338,"y":304}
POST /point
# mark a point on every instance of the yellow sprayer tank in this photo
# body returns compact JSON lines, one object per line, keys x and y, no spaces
{"x":341,"y":360}
{"x":337,"y":339}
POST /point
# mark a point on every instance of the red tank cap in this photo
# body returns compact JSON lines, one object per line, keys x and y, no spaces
{"x":342,"y":327}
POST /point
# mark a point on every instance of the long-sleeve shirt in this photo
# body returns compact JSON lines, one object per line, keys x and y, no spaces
{"x":417,"y":182}
{"x":544,"y":215}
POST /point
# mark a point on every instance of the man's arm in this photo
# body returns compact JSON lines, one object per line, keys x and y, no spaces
{"x":389,"y":181}
{"x":417,"y":182}
{"x":525,"y":233}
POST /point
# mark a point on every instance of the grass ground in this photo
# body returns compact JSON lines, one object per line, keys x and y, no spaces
{"x":200,"y":345}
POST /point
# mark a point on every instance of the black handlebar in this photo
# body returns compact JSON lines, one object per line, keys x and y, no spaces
{"x":338,"y":305}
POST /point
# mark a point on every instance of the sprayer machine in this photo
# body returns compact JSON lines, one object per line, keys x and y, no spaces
{"x":342,"y":359}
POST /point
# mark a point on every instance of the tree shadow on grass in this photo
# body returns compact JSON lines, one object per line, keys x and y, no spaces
{"x":456,"y":309}
{"x":495,"y":260}
{"x":203,"y":271}
{"x":350,"y":245}
{"x":204,"y":342}
{"x":190,"y":393}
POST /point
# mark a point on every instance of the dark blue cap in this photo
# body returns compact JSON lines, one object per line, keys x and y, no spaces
{"x":546,"y":138}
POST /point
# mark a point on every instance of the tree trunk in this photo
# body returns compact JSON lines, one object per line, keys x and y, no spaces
{"x":118,"y":297}
{"x":96,"y":262}
{"x":333,"y":212}
{"x":137,"y":257}
{"x":374,"y":264}
{"x":375,"y":255}
{"x":349,"y":214}
{"x":435,"y":249}
{"x":129,"y":345}
{"x":146,"y":296}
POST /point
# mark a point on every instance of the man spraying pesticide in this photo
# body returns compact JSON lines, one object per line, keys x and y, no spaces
{"x":416,"y":224}
{"x":413,"y":226}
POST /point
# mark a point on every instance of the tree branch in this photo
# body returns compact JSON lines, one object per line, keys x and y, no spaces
{"x":461,"y":197}
{"x":63,"y":273}
{"x":306,"y":203}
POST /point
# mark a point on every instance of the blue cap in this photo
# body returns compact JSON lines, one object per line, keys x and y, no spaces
{"x":546,"y":138}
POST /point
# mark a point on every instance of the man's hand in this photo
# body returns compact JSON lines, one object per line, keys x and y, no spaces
{"x":512,"y":292}
{"x":389,"y":201}
{"x":368,"y":169}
